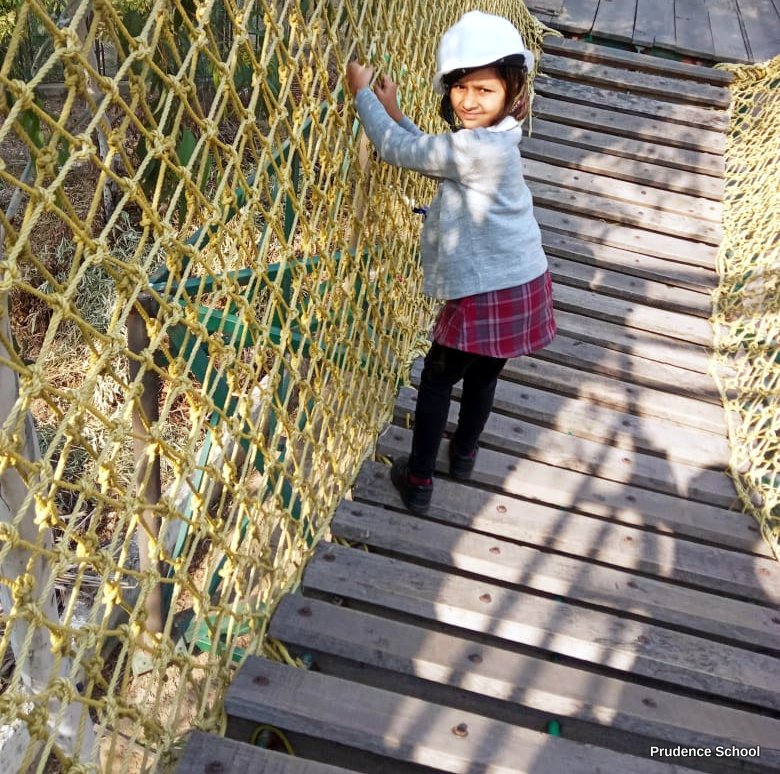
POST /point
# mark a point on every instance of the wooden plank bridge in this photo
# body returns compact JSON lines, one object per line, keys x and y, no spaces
{"x":711,"y":30}
{"x":589,"y":602}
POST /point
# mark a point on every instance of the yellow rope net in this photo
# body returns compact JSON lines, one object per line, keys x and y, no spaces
{"x":208,"y":297}
{"x":746,"y":310}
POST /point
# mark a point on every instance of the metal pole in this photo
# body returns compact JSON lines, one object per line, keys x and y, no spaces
{"x":145,"y":414}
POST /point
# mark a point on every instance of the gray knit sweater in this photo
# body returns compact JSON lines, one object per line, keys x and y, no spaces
{"x":480,"y":233}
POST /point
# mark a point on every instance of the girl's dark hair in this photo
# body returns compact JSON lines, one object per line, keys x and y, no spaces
{"x":515,"y":78}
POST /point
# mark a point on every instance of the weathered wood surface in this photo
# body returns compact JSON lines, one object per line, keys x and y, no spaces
{"x":591,"y":326}
{"x":513,"y":617}
{"x":615,"y":20}
{"x":210,"y":754}
{"x":694,"y":279}
{"x":727,"y":39}
{"x":628,"y":288}
{"x":605,"y":424}
{"x":678,"y":125}
{"x":625,"y":159}
{"x":593,"y":358}
{"x":665,"y":444}
{"x":618,"y":206}
{"x":762,"y":29}
{"x":631,"y":314}
{"x":615,"y":234}
{"x":409,"y":730}
{"x":713,"y":30}
{"x":577,"y":468}
{"x":649,"y":533}
{"x":594,"y":571}
{"x":505,"y":684}
{"x":593,"y":388}
{"x":460,"y":550}
{"x":653,"y":23}
{"x":575,"y":15}
{"x":691,"y":34}
{"x":634,"y":62}
{"x":625,"y":430}
{"x":698,"y":213}
{"x":607,"y":119}
{"x":669,"y":89}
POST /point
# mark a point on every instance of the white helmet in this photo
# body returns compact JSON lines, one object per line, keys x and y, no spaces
{"x":476,"y":40}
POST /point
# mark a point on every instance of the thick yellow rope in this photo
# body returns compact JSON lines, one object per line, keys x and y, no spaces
{"x":746,"y":312}
{"x":222,"y":143}
{"x":130,"y":204}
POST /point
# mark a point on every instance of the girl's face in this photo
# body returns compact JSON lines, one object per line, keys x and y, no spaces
{"x":478,"y":98}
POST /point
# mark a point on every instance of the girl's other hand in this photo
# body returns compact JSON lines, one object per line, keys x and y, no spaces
{"x":358,"y":77}
{"x":387,"y":93}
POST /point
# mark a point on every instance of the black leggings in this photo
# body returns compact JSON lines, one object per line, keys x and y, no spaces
{"x":443,"y":368}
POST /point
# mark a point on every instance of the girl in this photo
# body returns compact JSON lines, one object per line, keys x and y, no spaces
{"x":481,"y":247}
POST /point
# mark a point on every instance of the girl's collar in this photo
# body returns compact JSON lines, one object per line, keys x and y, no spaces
{"x":504,"y":125}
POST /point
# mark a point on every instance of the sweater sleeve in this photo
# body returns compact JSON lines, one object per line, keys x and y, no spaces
{"x":409,"y":125}
{"x":441,"y":156}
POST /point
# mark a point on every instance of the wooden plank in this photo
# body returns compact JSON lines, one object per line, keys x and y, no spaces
{"x":608,"y":426}
{"x":762,"y":28}
{"x":526,"y":441}
{"x":645,"y":532}
{"x":645,"y":344}
{"x":726,"y":30}
{"x":694,"y":208}
{"x":626,"y":238}
{"x":613,"y":393}
{"x":209,"y":754}
{"x":689,"y":286}
{"x":638,"y":160}
{"x":616,"y":208}
{"x":605,"y":118}
{"x":599,"y":638}
{"x":650,"y":14}
{"x":455,"y":550}
{"x":544,"y":18}
{"x":692,"y":29}
{"x":577,"y":16}
{"x":545,"y":7}
{"x":654,"y":23}
{"x":628,"y":288}
{"x":635,"y":314}
{"x":639,"y":192}
{"x":713,"y":121}
{"x":615,"y":20}
{"x":480,"y":675}
{"x":593,"y":358}
{"x":657,"y":86}
{"x":572,"y":490}
{"x":406,"y":729}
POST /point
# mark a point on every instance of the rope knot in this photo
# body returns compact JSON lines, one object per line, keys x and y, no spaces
{"x":32,"y":382}
{"x":63,"y":689}
{"x":70,"y":41}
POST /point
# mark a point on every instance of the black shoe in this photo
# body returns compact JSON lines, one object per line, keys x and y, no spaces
{"x":417,"y":498}
{"x":462,"y":465}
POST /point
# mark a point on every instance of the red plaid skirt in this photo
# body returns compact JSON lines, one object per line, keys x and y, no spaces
{"x":500,"y":323}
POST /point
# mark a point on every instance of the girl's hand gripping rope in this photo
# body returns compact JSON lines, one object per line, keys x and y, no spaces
{"x":387,"y":93}
{"x":358,"y":77}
